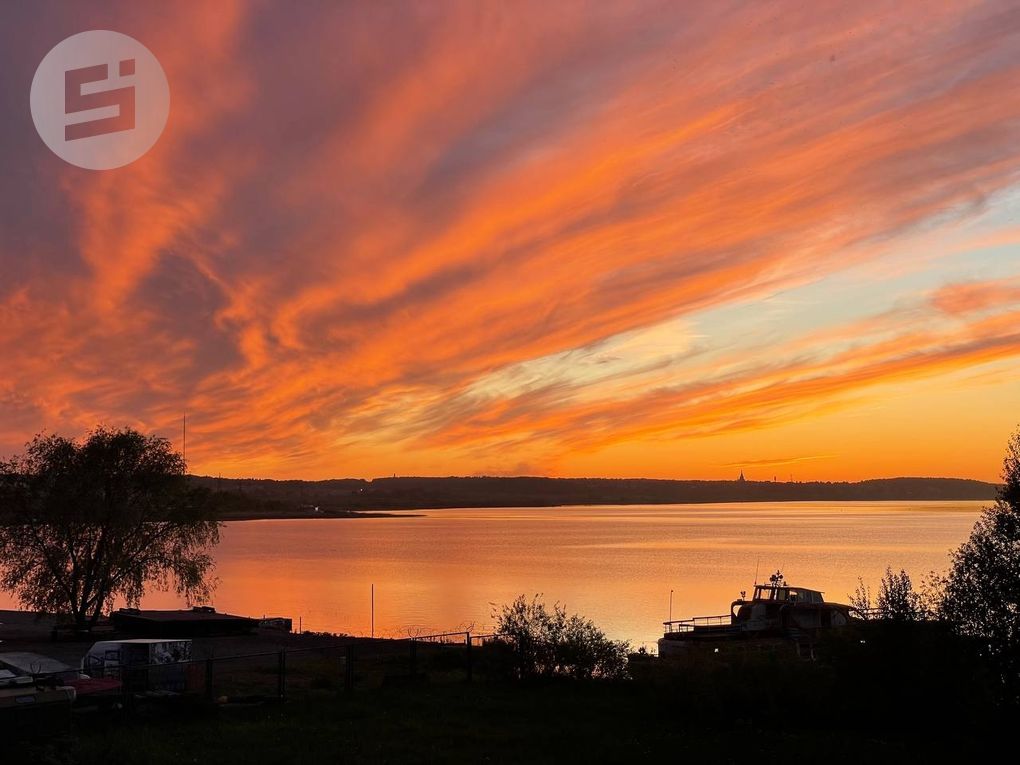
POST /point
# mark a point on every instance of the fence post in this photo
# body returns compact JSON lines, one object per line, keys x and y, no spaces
{"x":349,"y":667}
{"x":209,"y":679}
{"x":281,"y":675}
{"x":470,"y":671}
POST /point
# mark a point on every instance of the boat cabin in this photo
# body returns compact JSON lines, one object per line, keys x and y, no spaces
{"x":784,"y":607}
{"x":786,"y":594}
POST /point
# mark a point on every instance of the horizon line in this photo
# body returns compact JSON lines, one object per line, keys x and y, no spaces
{"x":597,"y":478}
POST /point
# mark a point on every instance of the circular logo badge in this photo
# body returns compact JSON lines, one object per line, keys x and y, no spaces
{"x":100,"y":100}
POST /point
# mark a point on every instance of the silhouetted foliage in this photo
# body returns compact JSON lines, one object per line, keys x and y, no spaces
{"x":982,"y":589}
{"x":896,"y":597}
{"x":544,"y":643}
{"x":82,"y":522}
{"x":896,"y":600}
{"x":861,"y":599}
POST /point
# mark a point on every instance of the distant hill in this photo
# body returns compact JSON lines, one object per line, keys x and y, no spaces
{"x":253,"y":498}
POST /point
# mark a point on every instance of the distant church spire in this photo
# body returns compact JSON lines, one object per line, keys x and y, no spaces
{"x":741,"y":476}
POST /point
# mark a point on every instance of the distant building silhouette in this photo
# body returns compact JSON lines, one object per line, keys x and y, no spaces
{"x":741,"y":479}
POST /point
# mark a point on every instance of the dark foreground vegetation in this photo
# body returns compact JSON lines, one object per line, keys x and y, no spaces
{"x":905,"y":691}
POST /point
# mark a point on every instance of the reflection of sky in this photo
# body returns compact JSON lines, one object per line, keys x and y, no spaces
{"x":661,"y":239}
{"x":441,"y":571}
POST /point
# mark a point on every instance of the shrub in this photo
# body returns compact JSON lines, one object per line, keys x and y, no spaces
{"x":550,"y":643}
{"x":896,"y":600}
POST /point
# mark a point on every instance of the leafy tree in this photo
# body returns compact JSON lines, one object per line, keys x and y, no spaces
{"x":83,"y":522}
{"x":544,"y":643}
{"x":982,"y":590}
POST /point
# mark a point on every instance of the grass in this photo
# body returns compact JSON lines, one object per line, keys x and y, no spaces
{"x":862,"y":702}
{"x":555,"y":722}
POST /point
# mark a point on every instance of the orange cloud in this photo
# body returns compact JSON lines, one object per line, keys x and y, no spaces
{"x":358,"y":218}
{"x":973,"y":297}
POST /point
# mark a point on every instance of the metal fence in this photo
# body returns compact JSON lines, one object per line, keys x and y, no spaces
{"x":293,"y":673}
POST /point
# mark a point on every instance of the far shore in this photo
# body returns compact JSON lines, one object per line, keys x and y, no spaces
{"x":285,"y":515}
{"x":262,"y":499}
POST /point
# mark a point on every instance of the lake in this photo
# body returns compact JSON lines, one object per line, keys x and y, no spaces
{"x":445,"y":569}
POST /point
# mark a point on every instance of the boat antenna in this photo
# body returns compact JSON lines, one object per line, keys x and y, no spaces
{"x":756,"y":565}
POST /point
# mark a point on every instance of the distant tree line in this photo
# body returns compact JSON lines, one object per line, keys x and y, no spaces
{"x":524,"y":491}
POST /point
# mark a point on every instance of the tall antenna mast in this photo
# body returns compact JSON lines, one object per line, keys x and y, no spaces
{"x":184,"y":447}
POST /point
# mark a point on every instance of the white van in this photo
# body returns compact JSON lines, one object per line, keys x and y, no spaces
{"x":143,"y":664}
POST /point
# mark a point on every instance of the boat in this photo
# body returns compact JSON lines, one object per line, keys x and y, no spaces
{"x":776,"y":611}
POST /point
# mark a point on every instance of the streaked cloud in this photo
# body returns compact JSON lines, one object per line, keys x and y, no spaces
{"x":474,"y":236}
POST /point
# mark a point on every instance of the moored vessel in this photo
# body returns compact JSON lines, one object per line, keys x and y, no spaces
{"x":775,"y":611}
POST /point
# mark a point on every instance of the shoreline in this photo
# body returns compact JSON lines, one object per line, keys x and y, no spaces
{"x":255,"y":499}
{"x":325,"y":515}
{"x":413,"y":512}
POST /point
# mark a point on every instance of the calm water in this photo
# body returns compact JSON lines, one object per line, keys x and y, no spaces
{"x":444,"y":570}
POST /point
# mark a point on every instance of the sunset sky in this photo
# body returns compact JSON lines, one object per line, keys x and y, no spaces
{"x":613,"y":238}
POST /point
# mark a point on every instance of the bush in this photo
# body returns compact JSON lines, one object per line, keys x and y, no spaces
{"x":897,"y":601}
{"x":544,"y":643}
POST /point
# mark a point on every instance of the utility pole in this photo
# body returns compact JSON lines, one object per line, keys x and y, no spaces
{"x":373,"y":609}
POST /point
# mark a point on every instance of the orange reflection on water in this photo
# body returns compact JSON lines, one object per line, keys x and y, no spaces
{"x":445,"y":569}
